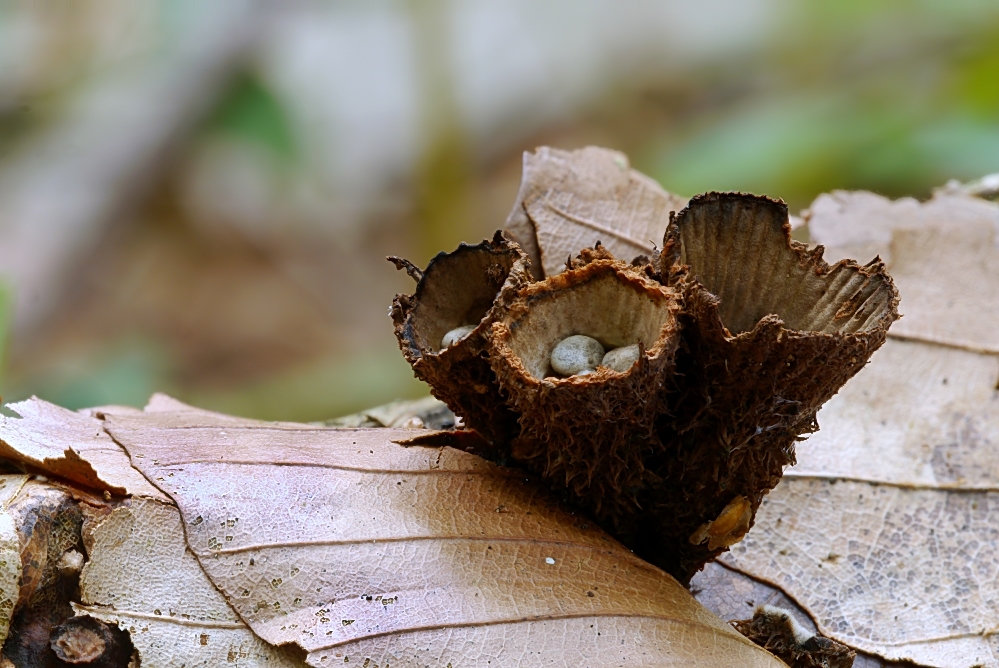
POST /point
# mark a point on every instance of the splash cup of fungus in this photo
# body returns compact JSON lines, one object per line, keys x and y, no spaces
{"x":442,"y":329}
{"x":582,"y":358}
{"x":662,"y":397}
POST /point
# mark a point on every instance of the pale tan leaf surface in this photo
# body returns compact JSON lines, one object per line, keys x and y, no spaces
{"x":860,"y":224}
{"x":164,"y":403}
{"x":734,"y":596}
{"x":354,"y":547}
{"x":919,"y":414}
{"x":903,"y":573}
{"x":885,"y":532}
{"x":142,"y":577}
{"x":69,"y":445}
{"x":961,"y":309}
{"x":569,"y":200}
{"x":10,"y":552}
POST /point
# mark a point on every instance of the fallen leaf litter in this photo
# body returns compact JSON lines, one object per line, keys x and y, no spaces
{"x":691,"y":321}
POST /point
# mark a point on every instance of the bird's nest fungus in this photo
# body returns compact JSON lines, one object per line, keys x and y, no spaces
{"x":731,"y":338}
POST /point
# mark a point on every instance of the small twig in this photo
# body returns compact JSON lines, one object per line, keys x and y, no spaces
{"x":414,"y":272}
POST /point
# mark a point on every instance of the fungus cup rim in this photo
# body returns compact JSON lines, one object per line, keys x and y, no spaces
{"x":505,"y":330}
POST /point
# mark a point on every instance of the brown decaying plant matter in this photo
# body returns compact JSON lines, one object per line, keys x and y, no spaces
{"x":744,"y":334}
{"x":776,"y":630}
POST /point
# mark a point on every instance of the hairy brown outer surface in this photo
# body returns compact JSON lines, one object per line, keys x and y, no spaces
{"x":589,"y":434}
{"x":469,"y":286}
{"x":769,"y":333}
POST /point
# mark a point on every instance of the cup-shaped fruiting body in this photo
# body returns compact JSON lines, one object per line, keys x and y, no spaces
{"x":467,"y":288}
{"x":769,"y":333}
{"x":589,"y":433}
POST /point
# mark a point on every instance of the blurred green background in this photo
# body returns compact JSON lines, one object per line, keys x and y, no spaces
{"x":197,"y":198}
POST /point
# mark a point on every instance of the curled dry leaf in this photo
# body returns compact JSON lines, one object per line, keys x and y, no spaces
{"x":734,"y":596}
{"x":69,"y":445}
{"x":743,"y":332}
{"x":428,"y":412}
{"x":885,"y":530}
{"x":569,"y":200}
{"x":352,"y":547}
{"x":139,"y":575}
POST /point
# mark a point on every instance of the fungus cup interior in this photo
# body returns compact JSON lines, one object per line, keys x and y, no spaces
{"x":740,"y":249}
{"x":614,"y":309}
{"x":458,"y":289}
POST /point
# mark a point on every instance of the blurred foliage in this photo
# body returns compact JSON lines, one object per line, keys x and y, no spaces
{"x":444,"y":173}
{"x":336,"y":386}
{"x":896,"y":98}
{"x":6,"y":310}
{"x":251,"y":112}
{"x":443,"y":205}
{"x":126,"y":371}
{"x":858,"y":97}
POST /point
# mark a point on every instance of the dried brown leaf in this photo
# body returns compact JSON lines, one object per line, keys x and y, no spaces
{"x":903,"y":573}
{"x":353,"y":547}
{"x":569,"y":200}
{"x":885,"y":531}
{"x":734,"y":596}
{"x":924,"y":412}
{"x":10,"y":552}
{"x":142,"y":577}
{"x":69,"y":445}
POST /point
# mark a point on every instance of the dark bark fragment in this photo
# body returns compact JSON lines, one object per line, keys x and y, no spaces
{"x":775,"y":630}
{"x":48,"y":523}
{"x":85,"y":641}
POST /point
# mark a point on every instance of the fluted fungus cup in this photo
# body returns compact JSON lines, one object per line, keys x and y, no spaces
{"x":443,"y":329}
{"x":725,"y":345}
{"x":590,"y":434}
{"x":770,"y":332}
